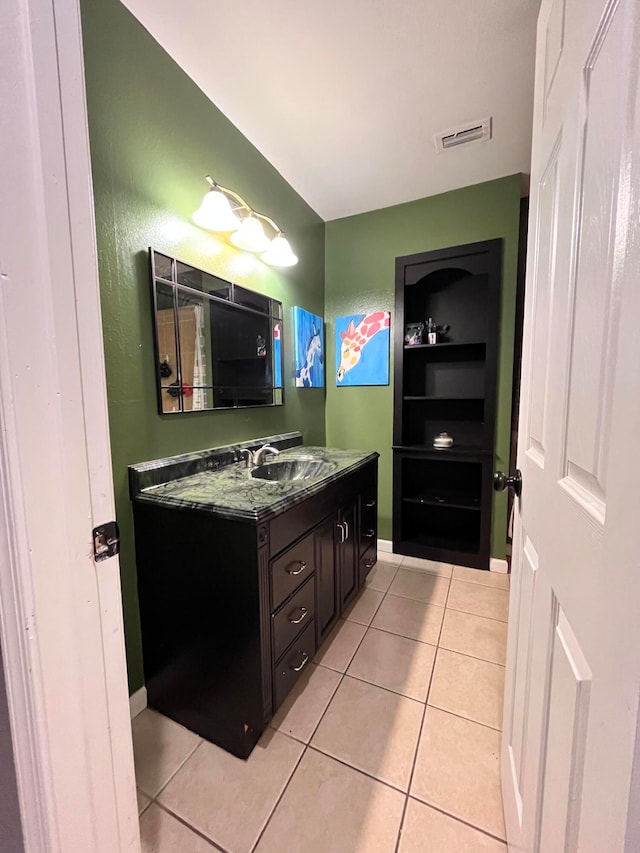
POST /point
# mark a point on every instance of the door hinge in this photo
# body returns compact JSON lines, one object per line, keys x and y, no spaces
{"x":106,"y":541}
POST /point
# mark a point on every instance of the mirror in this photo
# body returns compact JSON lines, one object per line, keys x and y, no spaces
{"x":217,"y":345}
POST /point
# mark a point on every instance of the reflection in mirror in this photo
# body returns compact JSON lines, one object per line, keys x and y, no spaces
{"x":218,"y":345}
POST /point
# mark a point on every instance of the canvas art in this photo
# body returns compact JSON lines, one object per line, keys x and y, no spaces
{"x":277,"y":355}
{"x":308,"y":334}
{"x":362,"y":349}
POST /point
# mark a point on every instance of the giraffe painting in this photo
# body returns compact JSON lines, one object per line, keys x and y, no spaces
{"x":362,"y":349}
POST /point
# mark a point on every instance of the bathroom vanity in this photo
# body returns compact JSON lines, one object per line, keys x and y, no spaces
{"x":242,"y":574}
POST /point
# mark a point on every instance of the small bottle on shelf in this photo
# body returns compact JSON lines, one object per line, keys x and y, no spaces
{"x":432,"y":334}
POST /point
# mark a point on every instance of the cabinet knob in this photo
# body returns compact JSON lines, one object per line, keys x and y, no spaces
{"x":370,"y":504}
{"x":299,"y":571}
{"x":369,"y":533}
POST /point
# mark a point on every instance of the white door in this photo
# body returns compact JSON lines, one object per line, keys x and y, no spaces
{"x":61,"y":630}
{"x":569,"y":755}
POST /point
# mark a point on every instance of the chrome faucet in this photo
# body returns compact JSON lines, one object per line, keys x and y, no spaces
{"x":261,"y":452}
{"x":247,"y":455}
{"x":252,"y":459}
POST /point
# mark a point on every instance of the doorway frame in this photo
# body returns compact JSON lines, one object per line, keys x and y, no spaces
{"x":61,"y":624}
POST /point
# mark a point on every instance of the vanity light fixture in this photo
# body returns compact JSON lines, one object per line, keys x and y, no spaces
{"x":215,"y":213}
{"x":250,"y":235}
{"x":224,"y":210}
{"x":279,"y":253}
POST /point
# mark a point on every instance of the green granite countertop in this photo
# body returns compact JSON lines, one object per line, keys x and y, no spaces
{"x":232,"y":492}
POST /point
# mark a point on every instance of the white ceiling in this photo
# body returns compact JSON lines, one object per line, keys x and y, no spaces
{"x":344,"y":97}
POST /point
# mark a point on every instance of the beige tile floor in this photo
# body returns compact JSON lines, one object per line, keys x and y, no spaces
{"x":389,"y":742}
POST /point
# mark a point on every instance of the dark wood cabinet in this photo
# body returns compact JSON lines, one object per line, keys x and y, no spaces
{"x":233,"y":610}
{"x":442,"y":496}
{"x":347,"y":553}
{"x":327,"y":604}
{"x":368,"y":524}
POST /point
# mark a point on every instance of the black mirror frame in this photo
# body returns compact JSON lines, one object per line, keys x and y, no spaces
{"x":237,"y":295}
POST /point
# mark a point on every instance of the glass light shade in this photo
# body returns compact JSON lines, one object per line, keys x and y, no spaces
{"x":250,"y":236}
{"x":215,"y":213}
{"x":279,"y":253}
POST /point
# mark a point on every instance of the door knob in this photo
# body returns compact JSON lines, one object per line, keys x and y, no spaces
{"x":502,"y":481}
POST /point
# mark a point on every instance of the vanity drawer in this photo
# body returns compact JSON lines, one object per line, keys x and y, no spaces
{"x":367,"y":562}
{"x":293,"y":617}
{"x":293,"y":663}
{"x":291,"y":569}
{"x":368,"y":530}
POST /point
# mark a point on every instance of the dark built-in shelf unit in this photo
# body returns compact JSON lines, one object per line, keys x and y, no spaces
{"x":442,"y":497}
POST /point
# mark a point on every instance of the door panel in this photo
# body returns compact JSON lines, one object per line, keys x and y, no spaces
{"x":567,"y":713}
{"x":554,"y":42}
{"x":348,"y":555}
{"x":522,"y":616}
{"x":325,"y":567}
{"x":573,"y":660}
{"x":545,"y":263}
{"x":594,"y":315}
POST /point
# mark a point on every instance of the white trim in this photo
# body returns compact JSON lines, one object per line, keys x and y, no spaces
{"x":385,"y":546}
{"x":386,"y":553}
{"x":20,"y":658}
{"x":60,"y":612}
{"x":138,"y":702}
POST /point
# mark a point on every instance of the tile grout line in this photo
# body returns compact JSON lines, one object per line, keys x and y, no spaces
{"x":388,"y":689}
{"x":192,"y":828}
{"x":179,"y":768}
{"x":281,"y":795}
{"x":485,"y":585}
{"x":473,"y":657}
{"x":307,"y":745}
{"x":424,"y":642}
{"x":461,"y":717}
{"x":471,"y":613}
{"x":424,"y":715}
{"x":459,"y":819}
{"x":358,"y":770}
{"x":477,"y":615}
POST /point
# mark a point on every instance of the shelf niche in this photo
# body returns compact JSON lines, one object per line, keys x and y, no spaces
{"x":448,"y":387}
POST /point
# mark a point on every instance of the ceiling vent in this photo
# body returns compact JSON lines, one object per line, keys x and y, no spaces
{"x":473,"y":131}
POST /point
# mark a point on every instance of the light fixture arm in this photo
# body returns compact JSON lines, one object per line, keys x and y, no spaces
{"x":242,"y":203}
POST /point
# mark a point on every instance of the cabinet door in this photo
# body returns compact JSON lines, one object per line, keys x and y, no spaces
{"x":326,"y":577}
{"x":348,"y":553}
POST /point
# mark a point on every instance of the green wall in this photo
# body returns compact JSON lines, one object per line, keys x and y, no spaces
{"x":154,"y":135}
{"x":360,"y":277}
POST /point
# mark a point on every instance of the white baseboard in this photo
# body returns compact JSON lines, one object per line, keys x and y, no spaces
{"x":138,"y":702}
{"x":385,"y":546}
{"x":386,"y":553}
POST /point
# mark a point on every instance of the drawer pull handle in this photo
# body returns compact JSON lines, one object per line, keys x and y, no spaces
{"x":299,"y":571}
{"x":370,"y":504}
{"x":303,"y":614}
{"x":305,"y":659}
{"x":368,"y":564}
{"x":369,"y":533}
